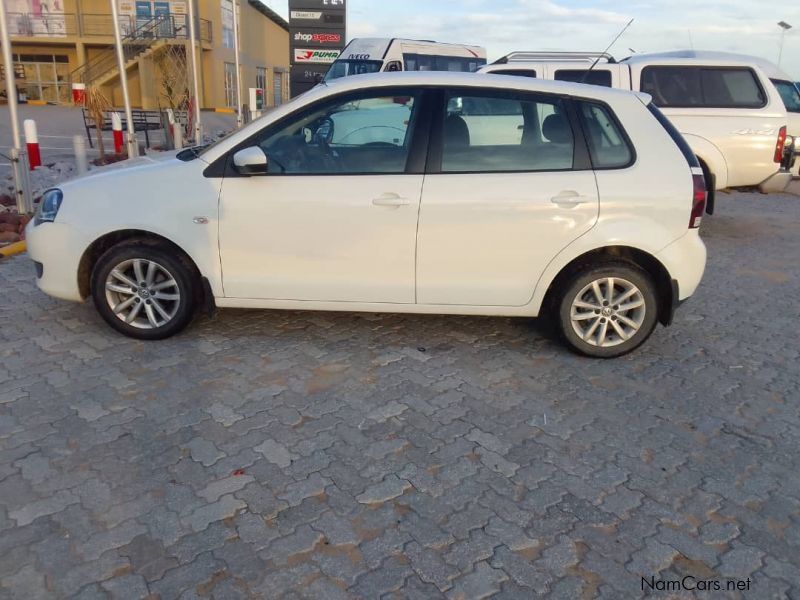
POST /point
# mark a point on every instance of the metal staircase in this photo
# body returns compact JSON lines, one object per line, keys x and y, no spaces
{"x":146,"y":38}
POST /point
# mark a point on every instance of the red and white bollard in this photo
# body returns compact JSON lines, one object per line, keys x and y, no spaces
{"x":32,"y":141}
{"x":79,"y":94}
{"x":116,"y":128}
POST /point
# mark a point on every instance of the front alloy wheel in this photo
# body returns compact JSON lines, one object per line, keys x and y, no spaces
{"x":142,"y":293}
{"x":144,"y":290}
{"x":608,"y":310}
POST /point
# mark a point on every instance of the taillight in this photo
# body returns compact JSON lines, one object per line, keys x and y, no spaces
{"x":779,"y":146}
{"x":698,"y":199}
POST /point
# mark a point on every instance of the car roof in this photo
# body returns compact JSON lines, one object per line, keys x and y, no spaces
{"x":769,"y":68}
{"x":482,"y":80}
{"x":389,"y":40}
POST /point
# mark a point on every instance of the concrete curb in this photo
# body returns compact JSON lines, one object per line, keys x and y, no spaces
{"x":794,"y":188}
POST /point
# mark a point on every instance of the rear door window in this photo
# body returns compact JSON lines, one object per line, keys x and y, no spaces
{"x":608,"y":144}
{"x":703,"y":87}
{"x":593,"y":77}
{"x":505,"y":131}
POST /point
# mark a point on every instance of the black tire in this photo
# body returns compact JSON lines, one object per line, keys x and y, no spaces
{"x":180,"y":310}
{"x":646,"y":316}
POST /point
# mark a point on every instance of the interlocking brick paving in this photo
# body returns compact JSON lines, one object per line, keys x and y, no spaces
{"x":322,"y":455}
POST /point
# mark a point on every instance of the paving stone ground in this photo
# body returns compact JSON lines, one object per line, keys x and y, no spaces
{"x":321,"y":455}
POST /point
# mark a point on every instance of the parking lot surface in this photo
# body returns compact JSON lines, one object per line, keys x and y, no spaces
{"x":321,"y":455}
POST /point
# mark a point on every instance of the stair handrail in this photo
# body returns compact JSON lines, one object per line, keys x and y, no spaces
{"x":132,"y":44}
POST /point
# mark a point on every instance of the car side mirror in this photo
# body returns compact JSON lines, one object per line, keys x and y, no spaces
{"x":251,"y":161}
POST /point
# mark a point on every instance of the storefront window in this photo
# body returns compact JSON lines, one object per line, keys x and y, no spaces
{"x":277,"y":89}
{"x":46,"y":76}
{"x":230,"y":84}
{"x":261,"y":78}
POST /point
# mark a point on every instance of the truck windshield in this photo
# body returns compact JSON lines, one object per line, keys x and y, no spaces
{"x":789,"y":94}
{"x":343,"y":68}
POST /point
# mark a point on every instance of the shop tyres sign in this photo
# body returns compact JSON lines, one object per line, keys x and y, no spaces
{"x":317,"y":35}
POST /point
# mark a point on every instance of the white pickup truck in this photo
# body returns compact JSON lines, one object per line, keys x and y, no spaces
{"x":726,"y":106}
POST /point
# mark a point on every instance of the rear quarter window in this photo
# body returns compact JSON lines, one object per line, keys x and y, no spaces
{"x":609,"y":147}
{"x":703,"y":87}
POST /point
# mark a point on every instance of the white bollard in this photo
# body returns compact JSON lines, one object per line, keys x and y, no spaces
{"x":79,"y":146}
{"x":177,"y":135}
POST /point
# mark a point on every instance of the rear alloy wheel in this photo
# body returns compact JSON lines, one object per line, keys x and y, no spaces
{"x":608,"y":311}
{"x":142,"y":291}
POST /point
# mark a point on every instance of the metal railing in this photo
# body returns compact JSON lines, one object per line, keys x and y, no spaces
{"x":102,"y":25}
{"x":143,"y":36}
{"x":133,"y":44}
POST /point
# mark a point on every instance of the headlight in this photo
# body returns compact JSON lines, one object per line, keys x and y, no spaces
{"x":48,"y":209}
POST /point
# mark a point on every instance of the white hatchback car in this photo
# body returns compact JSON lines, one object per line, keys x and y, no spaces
{"x":398,"y":192}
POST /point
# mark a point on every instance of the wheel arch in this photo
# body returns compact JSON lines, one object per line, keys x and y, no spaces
{"x":107,"y":241}
{"x":665,"y":290}
{"x":711,"y":157}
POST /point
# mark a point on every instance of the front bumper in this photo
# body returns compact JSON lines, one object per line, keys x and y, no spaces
{"x":685,"y":260}
{"x":56,"y":250}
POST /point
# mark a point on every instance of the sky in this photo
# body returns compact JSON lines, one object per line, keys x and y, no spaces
{"x":745,"y":26}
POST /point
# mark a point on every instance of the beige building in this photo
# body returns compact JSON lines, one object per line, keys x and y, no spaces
{"x":59,"y":42}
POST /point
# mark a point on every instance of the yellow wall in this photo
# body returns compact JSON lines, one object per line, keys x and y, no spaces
{"x":263,"y":44}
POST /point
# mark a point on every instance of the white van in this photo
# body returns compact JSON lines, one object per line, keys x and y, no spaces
{"x":372,"y":55}
{"x":729,"y":111}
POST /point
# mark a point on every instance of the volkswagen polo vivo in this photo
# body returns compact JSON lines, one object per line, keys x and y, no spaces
{"x":398,"y":192}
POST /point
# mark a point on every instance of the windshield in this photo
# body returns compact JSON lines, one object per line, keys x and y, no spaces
{"x":789,"y":94}
{"x":343,"y":68}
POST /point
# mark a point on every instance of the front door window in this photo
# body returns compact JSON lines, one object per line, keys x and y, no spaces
{"x":361,"y":135}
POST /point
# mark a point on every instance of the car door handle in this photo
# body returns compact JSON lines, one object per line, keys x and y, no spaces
{"x":390,"y":200}
{"x":569,"y":199}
